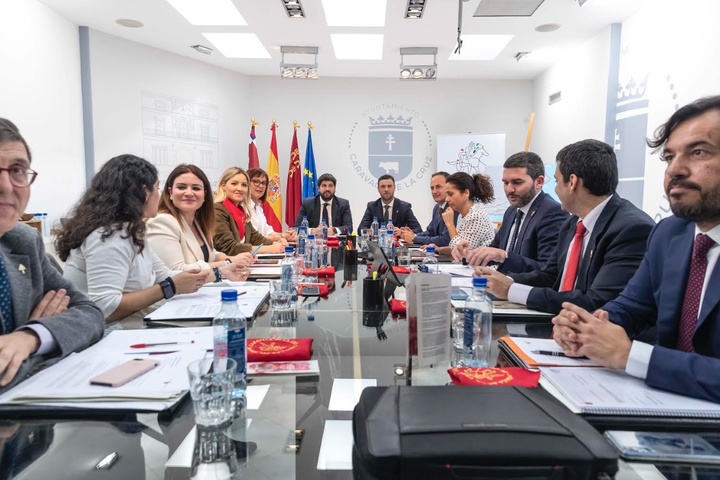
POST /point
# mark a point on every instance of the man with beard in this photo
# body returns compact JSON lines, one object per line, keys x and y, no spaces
{"x":387,"y":207}
{"x":531,"y":223}
{"x":326,"y":206}
{"x":677,"y":287}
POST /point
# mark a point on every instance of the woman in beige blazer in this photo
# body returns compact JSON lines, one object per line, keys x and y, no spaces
{"x":182,"y":231}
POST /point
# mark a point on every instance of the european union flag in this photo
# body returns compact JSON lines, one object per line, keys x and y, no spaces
{"x":309,"y":175}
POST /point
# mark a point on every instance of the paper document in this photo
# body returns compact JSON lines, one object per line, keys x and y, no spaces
{"x":527,"y":352}
{"x":205,"y":303}
{"x":428,"y":296}
{"x":457,"y":269}
{"x":611,"y":392}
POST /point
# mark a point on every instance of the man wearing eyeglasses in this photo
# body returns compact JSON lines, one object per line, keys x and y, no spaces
{"x":42,"y":316}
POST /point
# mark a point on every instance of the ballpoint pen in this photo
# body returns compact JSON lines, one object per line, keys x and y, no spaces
{"x":255,"y":250}
{"x":553,"y":353}
{"x":145,"y":345}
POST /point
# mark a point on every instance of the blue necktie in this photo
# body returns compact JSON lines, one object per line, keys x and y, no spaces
{"x":6,"y":308}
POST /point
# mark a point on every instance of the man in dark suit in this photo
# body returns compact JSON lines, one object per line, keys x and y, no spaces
{"x":325,"y":205}
{"x":677,"y":287}
{"x":388,"y":207}
{"x":529,"y":231}
{"x":599,"y":247}
{"x":43,"y":317}
{"x":436,"y":231}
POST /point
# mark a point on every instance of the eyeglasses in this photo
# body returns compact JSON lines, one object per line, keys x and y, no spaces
{"x":20,"y":176}
{"x":258,"y":183}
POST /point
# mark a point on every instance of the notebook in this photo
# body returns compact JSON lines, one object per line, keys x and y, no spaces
{"x":602,"y":391}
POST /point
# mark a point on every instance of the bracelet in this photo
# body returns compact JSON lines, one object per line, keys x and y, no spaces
{"x":218,"y":276}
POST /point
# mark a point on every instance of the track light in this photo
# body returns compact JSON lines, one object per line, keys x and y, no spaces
{"x":299,"y":69}
{"x":420,"y":68}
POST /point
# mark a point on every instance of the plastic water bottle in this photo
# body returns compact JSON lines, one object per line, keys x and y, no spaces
{"x":430,"y":262}
{"x":305,"y":224}
{"x":229,"y":340}
{"x":324,"y":228}
{"x":390,"y":252}
{"x":302,"y":240}
{"x":477,"y":328}
{"x":382,"y":237}
{"x":374,"y":229}
{"x":287,"y":269}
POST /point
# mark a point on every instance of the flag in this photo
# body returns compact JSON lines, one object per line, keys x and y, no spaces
{"x":274,"y":194}
{"x":309,"y":172}
{"x":253,"y":161}
{"x":293,"y":192}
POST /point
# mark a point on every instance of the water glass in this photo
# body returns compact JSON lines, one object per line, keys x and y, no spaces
{"x":364,"y":238}
{"x":280,"y":296}
{"x":404,"y":259}
{"x":211,"y":385}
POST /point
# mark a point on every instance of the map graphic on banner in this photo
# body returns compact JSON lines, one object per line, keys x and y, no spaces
{"x":476,"y":153}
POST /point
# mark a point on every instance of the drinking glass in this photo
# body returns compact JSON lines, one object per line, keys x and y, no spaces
{"x":211,"y":385}
{"x":280,"y":296}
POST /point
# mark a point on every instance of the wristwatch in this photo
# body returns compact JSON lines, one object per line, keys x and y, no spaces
{"x":168,"y":288}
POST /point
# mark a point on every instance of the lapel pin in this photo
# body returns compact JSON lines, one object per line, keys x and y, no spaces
{"x":22,"y":268}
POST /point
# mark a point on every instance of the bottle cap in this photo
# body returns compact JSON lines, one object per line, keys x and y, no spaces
{"x":430,"y":250}
{"x":374,"y":219}
{"x":311,"y":236}
{"x":228,"y":295}
{"x":479,"y":282}
{"x":289,"y":249}
{"x":382,"y":224}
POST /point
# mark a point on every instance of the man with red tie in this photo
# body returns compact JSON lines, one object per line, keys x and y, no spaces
{"x":677,"y":287}
{"x":599,"y":247}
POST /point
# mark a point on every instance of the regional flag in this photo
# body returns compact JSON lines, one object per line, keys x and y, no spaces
{"x":293,"y":192}
{"x":274,"y":194}
{"x":253,"y":162}
{"x":310,"y":188}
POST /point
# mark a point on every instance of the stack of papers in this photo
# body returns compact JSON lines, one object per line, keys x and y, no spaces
{"x":539,"y":352}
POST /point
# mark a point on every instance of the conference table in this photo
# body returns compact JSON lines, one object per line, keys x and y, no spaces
{"x":301,"y":429}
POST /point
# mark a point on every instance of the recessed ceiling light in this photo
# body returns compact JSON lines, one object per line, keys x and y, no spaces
{"x":126,"y":22}
{"x":357,"y":46}
{"x":238,"y":45}
{"x":369,"y":13}
{"x":481,"y":47}
{"x":202,"y":49}
{"x":548,"y":27}
{"x":208,"y":12}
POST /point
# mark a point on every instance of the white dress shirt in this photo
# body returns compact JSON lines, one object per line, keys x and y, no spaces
{"x":258,"y":219}
{"x":525,"y":209}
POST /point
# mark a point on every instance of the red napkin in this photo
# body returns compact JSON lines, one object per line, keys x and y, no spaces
{"x":278,"y":349}
{"x":398,"y":307}
{"x":402,"y":270}
{"x":332,"y":242}
{"x":512,"y":376}
{"x":320,"y":272}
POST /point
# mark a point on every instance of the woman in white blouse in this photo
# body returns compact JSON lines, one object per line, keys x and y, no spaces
{"x":258,"y":194}
{"x":104,"y":247}
{"x":465,"y":194}
{"x":182,"y":231}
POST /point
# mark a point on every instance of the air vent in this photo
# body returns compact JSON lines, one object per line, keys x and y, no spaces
{"x":554,"y":97}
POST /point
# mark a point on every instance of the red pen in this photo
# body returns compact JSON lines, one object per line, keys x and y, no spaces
{"x":145,"y":345}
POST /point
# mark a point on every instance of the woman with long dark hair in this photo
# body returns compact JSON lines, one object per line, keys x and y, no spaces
{"x":234,"y":231}
{"x":104,"y":248}
{"x":465,"y":194}
{"x":182,"y":231}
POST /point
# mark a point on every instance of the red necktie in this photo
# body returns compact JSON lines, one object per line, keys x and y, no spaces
{"x":693,"y":291}
{"x":573,"y":260}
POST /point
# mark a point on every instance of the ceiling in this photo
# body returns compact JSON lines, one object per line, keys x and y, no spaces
{"x":166,"y":29}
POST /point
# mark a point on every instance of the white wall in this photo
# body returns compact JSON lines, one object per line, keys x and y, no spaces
{"x":340,"y":109}
{"x":40,"y":93}
{"x":581,"y":75}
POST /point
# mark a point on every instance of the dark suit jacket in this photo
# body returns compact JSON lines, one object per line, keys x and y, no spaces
{"x":654,"y":297}
{"x":341,"y":214}
{"x":436,"y":232}
{"x":31,"y":276}
{"x":537,"y":238}
{"x":402,"y":215}
{"x":613,"y":254}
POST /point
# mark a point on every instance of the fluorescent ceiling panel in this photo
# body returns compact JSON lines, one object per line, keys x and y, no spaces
{"x":238,"y":45}
{"x":481,"y":47}
{"x":366,"y":13}
{"x":208,"y":12}
{"x":357,"y":46}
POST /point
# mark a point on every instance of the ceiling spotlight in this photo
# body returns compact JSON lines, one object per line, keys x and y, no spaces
{"x":423,"y":65}
{"x":415,"y":8}
{"x":304,"y":64}
{"x":520,"y":55}
{"x":293,"y":8}
{"x":202,"y":49}
{"x":129,"y":23}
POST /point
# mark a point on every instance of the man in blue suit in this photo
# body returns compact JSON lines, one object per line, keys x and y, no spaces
{"x":436,"y":231}
{"x":326,"y":205}
{"x":677,"y":287}
{"x":388,"y":207}
{"x":599,"y":247}
{"x":531,"y":223}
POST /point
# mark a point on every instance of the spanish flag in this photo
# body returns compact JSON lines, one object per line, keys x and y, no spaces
{"x":274,"y":194}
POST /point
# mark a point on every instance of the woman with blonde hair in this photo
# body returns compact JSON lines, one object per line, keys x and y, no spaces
{"x":182,"y":231}
{"x":234,"y":232}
